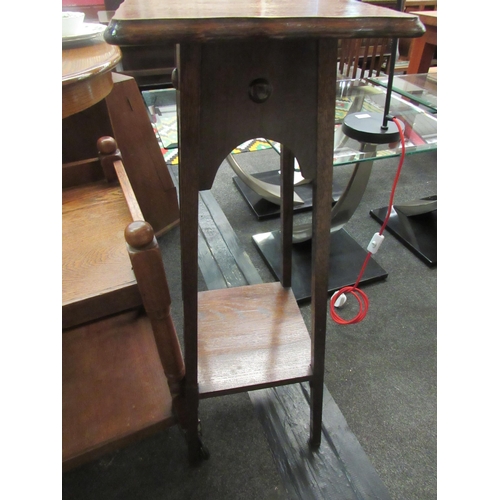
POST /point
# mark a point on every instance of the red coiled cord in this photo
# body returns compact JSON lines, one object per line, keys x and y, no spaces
{"x":361,"y":296}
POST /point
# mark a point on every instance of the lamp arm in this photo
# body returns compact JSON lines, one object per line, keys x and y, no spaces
{"x":394,"y":48}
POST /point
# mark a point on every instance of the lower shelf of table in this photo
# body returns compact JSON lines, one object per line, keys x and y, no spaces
{"x":346,"y":259}
{"x":250,"y":337}
{"x":417,"y":232}
{"x":114,"y":390}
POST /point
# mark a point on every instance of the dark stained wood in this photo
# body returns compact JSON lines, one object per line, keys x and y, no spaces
{"x":287,"y":175}
{"x":148,"y":268}
{"x":322,"y":196}
{"x":81,"y":172}
{"x":108,"y":153}
{"x":270,"y":346}
{"x":249,"y":69}
{"x":114,"y":390}
{"x":151,"y":66}
{"x":228,"y":70}
{"x":189,"y":100}
{"x":81,"y":131}
{"x":362,"y":58}
{"x":139,"y":22}
{"x":142,"y":157}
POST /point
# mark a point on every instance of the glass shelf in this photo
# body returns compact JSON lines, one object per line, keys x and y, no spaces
{"x":420,"y":88}
{"x":352,"y":96}
{"x":361,"y":95}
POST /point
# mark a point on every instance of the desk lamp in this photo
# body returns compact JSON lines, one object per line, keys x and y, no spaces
{"x":376,"y":128}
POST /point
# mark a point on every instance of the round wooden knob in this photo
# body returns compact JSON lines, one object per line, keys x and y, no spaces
{"x":106,"y":145}
{"x":139,"y":234}
{"x":260,"y":90}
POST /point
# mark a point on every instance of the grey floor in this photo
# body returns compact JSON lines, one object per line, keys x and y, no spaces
{"x":381,"y":372}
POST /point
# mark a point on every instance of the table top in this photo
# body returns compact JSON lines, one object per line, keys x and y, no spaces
{"x":88,"y":59}
{"x":157,"y":21}
{"x":86,"y":74}
{"x":408,"y":3}
{"x":420,"y":88}
{"x":428,"y":17}
{"x":413,"y":3}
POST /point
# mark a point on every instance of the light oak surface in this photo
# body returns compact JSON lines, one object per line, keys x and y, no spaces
{"x":269,"y":346}
{"x":114,"y":388}
{"x":121,"y":374}
{"x":428,"y":18}
{"x":424,"y":48}
{"x":419,"y":4}
{"x":97,"y":277}
{"x":86,"y":75}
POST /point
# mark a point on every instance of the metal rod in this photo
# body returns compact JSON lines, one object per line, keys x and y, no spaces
{"x":394,"y":48}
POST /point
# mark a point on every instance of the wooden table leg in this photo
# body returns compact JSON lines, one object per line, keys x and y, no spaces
{"x":285,"y":90}
{"x":322,"y":199}
{"x":422,"y":51}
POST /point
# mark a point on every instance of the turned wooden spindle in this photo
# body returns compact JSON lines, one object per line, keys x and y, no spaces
{"x":108,"y":153}
{"x":152,"y":282}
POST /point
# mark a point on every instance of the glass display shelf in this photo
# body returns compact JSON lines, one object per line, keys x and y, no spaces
{"x":420,"y":88}
{"x":354,"y":96}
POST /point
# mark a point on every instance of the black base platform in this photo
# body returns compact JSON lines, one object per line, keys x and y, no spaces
{"x":263,"y":208}
{"x":417,"y":232}
{"x":346,"y":260}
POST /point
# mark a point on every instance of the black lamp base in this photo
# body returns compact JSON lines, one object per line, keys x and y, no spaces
{"x":367,"y":127}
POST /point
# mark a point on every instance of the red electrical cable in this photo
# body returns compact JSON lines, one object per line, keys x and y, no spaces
{"x":361,"y":296}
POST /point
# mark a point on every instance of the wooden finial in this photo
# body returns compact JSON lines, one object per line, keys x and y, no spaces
{"x":108,"y":153}
{"x":106,"y":145}
{"x":139,"y":234}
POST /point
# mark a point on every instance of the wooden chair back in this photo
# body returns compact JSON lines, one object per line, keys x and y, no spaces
{"x":363,"y":57}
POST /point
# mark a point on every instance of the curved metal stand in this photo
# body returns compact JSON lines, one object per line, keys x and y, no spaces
{"x":348,"y":202}
{"x":269,"y":192}
{"x":416,"y":207}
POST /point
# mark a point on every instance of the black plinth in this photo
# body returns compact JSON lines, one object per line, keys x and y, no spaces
{"x":367,"y":128}
{"x":417,"y":232}
{"x":263,"y":208}
{"x":346,"y":260}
